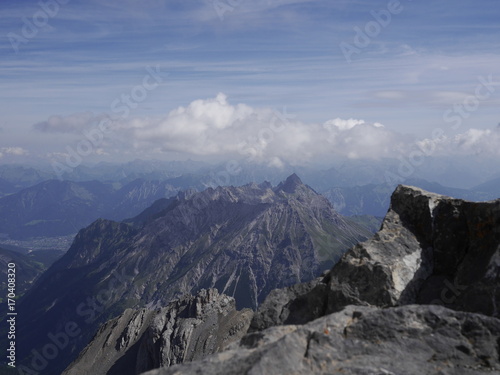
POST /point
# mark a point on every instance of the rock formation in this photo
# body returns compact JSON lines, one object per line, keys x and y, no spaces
{"x":187,"y":329}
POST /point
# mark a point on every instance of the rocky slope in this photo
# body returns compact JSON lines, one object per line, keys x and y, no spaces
{"x":361,"y":317}
{"x":409,"y":340}
{"x":242,"y":241}
{"x":186,"y":330}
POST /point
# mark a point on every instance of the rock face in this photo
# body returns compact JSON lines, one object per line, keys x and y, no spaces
{"x":187,"y":329}
{"x":243,"y":241}
{"x":431,"y":249}
{"x":410,"y":340}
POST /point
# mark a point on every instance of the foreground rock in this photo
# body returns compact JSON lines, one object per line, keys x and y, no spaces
{"x":431,"y":249}
{"x":410,"y":340}
{"x":186,"y":330}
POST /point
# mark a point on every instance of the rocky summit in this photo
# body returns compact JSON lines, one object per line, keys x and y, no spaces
{"x":243,"y":241}
{"x":420,"y":297}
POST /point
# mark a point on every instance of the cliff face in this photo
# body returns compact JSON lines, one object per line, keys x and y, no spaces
{"x":142,"y":339}
{"x":380,"y":309}
{"x":432,"y":249}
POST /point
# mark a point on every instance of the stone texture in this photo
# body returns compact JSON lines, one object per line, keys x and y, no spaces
{"x":409,"y":340}
{"x":186,"y":330}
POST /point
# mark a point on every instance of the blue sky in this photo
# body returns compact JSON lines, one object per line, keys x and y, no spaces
{"x":265,"y":54}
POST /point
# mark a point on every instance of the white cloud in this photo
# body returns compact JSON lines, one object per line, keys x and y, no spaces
{"x":16,"y":151}
{"x":342,"y":124}
{"x":472,"y":142}
{"x":478,"y":141}
{"x":204,"y":127}
{"x":214,"y":127}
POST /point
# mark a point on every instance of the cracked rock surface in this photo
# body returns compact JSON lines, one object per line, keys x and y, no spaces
{"x":187,"y":329}
{"x":410,"y":340}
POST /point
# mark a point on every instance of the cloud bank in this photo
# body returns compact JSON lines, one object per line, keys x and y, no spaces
{"x":479,"y":142}
{"x":214,"y":127}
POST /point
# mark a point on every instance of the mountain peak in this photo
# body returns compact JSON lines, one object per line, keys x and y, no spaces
{"x":291,"y":183}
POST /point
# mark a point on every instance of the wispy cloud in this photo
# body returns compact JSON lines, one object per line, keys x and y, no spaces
{"x":16,"y":151}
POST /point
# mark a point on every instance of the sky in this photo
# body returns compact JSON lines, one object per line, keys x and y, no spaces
{"x":276,"y":81}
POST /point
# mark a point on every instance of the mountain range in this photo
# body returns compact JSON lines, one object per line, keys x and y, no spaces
{"x":32,"y":205}
{"x":243,"y":241}
{"x":54,"y":207}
